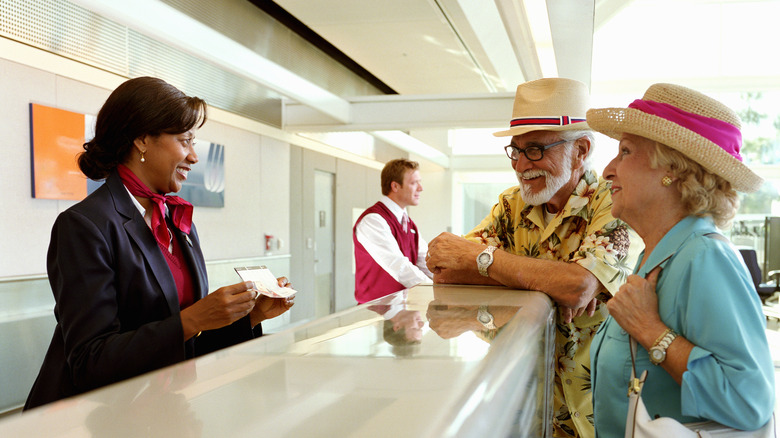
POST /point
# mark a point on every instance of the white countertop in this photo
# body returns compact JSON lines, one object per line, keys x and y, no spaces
{"x":337,"y":376}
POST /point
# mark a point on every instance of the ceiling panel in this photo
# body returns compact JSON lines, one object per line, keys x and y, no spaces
{"x":408,"y":44}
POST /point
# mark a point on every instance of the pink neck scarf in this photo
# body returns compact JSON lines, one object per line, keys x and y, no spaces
{"x":723,"y":134}
{"x":181,"y":210}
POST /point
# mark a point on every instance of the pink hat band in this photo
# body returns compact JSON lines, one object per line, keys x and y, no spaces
{"x":723,"y":134}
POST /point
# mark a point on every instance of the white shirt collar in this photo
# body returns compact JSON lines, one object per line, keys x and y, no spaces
{"x":398,"y":212}
{"x":138,"y":204}
{"x":135,"y":201}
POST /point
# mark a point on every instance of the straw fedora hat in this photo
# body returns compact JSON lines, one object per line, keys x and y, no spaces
{"x":705,"y":130}
{"x":549,"y":104}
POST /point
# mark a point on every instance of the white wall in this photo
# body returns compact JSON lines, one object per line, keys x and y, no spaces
{"x":434,"y":213}
{"x":25,"y":223}
{"x":256,"y":194}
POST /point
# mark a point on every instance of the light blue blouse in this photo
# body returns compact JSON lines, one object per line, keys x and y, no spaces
{"x":706,"y":294}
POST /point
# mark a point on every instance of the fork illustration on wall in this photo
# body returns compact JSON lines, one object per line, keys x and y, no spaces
{"x":214,"y":172}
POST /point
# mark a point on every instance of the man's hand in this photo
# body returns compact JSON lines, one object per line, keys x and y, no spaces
{"x":451,"y":321}
{"x":448,"y":251}
{"x":568,"y":314}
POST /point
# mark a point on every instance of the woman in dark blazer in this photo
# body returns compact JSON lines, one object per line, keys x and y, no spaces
{"x":125,"y":264}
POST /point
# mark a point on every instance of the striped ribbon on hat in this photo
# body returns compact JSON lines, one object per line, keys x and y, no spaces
{"x":557,"y":121}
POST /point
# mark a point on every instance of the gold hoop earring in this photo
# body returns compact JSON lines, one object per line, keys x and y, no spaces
{"x":666,"y":181}
{"x":143,"y":160}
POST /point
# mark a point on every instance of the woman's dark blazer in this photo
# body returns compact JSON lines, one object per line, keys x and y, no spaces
{"x":116,"y":308}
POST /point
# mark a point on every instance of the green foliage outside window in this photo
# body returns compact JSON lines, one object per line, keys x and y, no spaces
{"x":759,"y":151}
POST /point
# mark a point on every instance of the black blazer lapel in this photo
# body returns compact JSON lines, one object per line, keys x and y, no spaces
{"x":190,"y":248}
{"x":140,"y":233}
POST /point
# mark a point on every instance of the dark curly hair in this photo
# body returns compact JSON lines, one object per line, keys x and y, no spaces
{"x":140,"y":106}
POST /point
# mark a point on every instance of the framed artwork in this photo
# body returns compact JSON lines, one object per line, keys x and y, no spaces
{"x":205,"y":185}
{"x":57,"y":137}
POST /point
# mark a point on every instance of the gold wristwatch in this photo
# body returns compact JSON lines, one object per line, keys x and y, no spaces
{"x":658,"y":351}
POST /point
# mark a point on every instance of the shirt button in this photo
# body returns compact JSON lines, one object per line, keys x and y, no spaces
{"x":577,"y":414}
{"x":568,"y":381}
{"x":623,"y":332}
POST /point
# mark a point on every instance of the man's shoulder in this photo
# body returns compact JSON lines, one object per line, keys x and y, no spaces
{"x":512,"y":196}
{"x":377,"y":208}
{"x":594,"y":188}
{"x":377,"y":212}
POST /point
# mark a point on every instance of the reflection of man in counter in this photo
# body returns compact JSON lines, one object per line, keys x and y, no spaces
{"x":403,"y":327}
{"x":553,"y":233}
{"x":450,"y":321}
{"x":389,"y":252}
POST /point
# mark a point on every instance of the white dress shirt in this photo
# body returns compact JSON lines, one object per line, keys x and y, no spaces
{"x":374,"y":233}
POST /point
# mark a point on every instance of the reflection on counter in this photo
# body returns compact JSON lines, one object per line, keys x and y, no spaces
{"x":449,"y":321}
{"x":431,"y":361}
{"x":137,"y":410}
{"x":402,"y":327}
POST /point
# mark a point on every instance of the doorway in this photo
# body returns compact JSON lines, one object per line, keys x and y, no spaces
{"x":324,"y":248}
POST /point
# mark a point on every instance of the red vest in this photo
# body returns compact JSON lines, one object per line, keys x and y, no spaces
{"x":371,"y":281}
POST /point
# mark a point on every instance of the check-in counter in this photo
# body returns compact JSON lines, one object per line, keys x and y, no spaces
{"x":433,"y":361}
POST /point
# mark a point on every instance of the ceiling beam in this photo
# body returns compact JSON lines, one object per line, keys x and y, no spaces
{"x":571,"y":27}
{"x":517,"y":26}
{"x":405,"y":112}
{"x":606,"y":9}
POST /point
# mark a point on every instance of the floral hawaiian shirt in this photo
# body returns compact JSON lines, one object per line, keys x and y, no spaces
{"x":583,"y":232}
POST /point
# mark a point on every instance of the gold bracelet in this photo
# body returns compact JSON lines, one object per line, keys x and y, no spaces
{"x":660,"y":338}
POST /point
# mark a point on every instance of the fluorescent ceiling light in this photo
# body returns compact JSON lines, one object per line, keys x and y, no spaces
{"x":358,"y":143}
{"x":410,"y":144}
{"x":168,"y":25}
{"x":485,"y":22}
{"x":539,"y":22}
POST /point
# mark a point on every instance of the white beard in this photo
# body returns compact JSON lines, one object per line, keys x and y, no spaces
{"x":553,"y":183}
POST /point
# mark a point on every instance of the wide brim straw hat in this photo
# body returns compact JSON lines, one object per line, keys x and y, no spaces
{"x":698,"y":126}
{"x":549,"y":104}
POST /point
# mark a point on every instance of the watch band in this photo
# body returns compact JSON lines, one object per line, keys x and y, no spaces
{"x":658,"y":351}
{"x":482,"y":266}
{"x":660,"y":338}
{"x":485,"y":317}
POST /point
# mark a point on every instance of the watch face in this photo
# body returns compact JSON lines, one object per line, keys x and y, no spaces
{"x":657,"y":355}
{"x":483,"y":258}
{"x":484,"y":319}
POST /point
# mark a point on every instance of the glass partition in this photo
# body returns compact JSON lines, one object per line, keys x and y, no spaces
{"x":430,"y":361}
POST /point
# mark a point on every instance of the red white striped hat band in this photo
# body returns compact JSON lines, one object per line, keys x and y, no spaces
{"x":549,"y":104}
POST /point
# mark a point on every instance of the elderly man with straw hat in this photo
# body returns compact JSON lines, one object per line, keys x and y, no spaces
{"x":692,"y":306}
{"x":553,"y":233}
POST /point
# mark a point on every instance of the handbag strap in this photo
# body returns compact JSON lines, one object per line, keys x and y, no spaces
{"x":635,"y":384}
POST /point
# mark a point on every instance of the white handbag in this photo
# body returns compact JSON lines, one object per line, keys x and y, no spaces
{"x":640,"y":425}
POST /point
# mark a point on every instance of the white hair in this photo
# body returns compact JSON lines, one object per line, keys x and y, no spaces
{"x":574,"y":135}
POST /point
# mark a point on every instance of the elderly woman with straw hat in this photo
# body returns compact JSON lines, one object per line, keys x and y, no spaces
{"x":691,"y":305}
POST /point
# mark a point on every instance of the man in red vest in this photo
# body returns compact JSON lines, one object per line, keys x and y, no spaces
{"x":389,"y":251}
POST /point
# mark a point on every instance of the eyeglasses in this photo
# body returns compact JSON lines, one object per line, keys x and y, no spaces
{"x":533,"y":153}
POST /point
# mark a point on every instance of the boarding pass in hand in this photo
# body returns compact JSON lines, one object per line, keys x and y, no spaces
{"x":264,"y":281}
